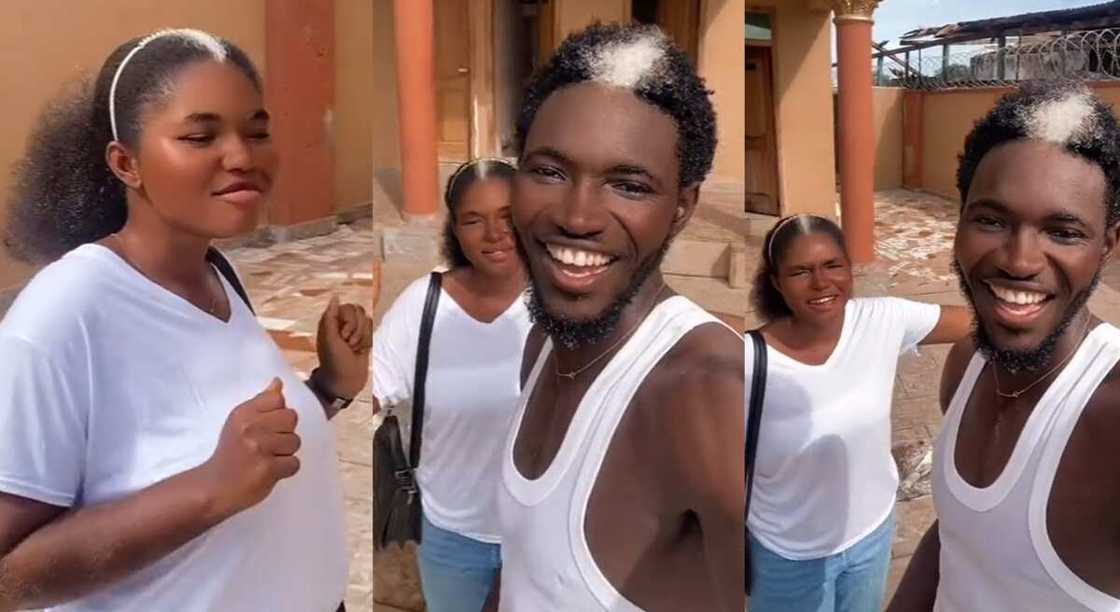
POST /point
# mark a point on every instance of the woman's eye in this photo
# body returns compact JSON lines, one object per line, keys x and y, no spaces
{"x":197,"y":138}
{"x":988,"y":222}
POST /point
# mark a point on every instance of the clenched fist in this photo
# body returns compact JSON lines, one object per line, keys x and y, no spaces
{"x":256,"y":450}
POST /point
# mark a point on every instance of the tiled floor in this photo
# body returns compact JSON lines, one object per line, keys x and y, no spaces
{"x":290,"y":285}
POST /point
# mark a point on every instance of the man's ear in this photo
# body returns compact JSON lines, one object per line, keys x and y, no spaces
{"x":123,"y":164}
{"x":687,"y":199}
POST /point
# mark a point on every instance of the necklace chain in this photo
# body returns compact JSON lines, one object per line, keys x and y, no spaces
{"x":1020,"y":392}
{"x":211,"y":310}
{"x":572,"y":375}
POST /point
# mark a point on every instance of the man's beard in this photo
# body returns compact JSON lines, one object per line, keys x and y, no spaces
{"x":573,"y":334}
{"x":1031,"y":360}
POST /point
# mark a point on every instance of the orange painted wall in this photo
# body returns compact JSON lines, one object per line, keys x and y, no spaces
{"x":355,"y":100}
{"x":888,"y":137}
{"x":48,"y":43}
{"x":722,"y":63}
{"x":804,"y":115}
{"x":385,"y":152}
{"x":70,"y":39}
{"x":948,"y":117}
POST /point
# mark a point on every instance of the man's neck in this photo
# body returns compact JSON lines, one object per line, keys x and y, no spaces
{"x":1069,"y":342}
{"x":632,"y":316}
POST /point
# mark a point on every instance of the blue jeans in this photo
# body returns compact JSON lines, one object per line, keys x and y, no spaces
{"x":456,"y":572}
{"x":853,"y":580}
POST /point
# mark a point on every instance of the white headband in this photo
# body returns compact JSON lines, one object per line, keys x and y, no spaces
{"x":474,"y":162}
{"x":197,"y":37}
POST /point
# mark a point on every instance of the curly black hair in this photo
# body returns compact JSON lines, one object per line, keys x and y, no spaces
{"x":466,"y":175}
{"x":672,"y":85}
{"x":1095,"y":134}
{"x":64,"y":194}
{"x":765,"y":297}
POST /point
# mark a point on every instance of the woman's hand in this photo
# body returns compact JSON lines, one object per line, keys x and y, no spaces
{"x":345,"y":338}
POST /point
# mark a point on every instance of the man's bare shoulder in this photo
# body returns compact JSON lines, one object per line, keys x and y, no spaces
{"x":703,"y":372}
{"x":534,"y":342}
{"x":956,"y":363}
{"x":1102,"y":414}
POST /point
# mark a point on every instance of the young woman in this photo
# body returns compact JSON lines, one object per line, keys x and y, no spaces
{"x":472,"y":385}
{"x":156,"y":451}
{"x":821,"y":518}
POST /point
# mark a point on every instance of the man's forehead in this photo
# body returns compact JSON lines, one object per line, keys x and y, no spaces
{"x":590,"y":119}
{"x":1032,"y":178}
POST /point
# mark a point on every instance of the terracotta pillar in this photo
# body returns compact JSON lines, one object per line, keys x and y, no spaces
{"x":856,"y":150}
{"x":414,"y":21}
{"x":299,"y":92}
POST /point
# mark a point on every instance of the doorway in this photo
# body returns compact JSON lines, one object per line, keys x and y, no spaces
{"x":453,"y":79}
{"x":762,"y":158}
{"x":680,"y":19}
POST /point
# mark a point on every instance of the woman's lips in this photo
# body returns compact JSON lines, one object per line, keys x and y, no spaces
{"x":241,"y":197}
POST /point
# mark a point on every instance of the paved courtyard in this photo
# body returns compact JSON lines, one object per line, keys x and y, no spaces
{"x":914,"y":245}
{"x":290,"y":284}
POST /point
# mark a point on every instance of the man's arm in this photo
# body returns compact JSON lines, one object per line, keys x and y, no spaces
{"x":706,"y":442}
{"x":918,"y":589}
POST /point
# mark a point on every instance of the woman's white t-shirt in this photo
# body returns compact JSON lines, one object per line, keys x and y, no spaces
{"x":109,"y":384}
{"x":474,"y":371}
{"x":824,"y":475}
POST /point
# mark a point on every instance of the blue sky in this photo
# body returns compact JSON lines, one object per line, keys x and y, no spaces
{"x":895,"y":17}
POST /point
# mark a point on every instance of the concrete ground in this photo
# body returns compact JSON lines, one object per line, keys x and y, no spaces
{"x":290,"y":284}
{"x":914,"y":245}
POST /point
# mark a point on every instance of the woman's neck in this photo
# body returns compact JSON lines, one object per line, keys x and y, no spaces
{"x":494,"y":284}
{"x":163,"y":253}
{"x":803,"y":331}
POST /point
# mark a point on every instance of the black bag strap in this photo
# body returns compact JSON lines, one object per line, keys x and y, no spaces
{"x":420,"y":379}
{"x":754,"y":412}
{"x":219,"y":261}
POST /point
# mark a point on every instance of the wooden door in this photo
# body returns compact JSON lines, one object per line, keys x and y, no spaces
{"x":453,"y":79}
{"x":681,"y":21}
{"x":762,"y":159}
{"x":546,"y":31}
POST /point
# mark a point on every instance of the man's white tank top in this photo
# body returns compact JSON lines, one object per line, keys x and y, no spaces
{"x":996,"y":553}
{"x":546,"y":561}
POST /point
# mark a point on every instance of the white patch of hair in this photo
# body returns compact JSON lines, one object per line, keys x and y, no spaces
{"x":628,"y":64}
{"x":1063,"y":120}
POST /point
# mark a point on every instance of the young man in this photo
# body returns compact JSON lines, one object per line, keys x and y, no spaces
{"x":1025,"y":468}
{"x":622,"y":486}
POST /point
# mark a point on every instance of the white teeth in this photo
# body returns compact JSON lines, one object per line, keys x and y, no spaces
{"x":1022,"y":298}
{"x":823,"y":300}
{"x":577,"y":257}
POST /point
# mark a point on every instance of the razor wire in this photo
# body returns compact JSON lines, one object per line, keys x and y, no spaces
{"x":1092,"y":55}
